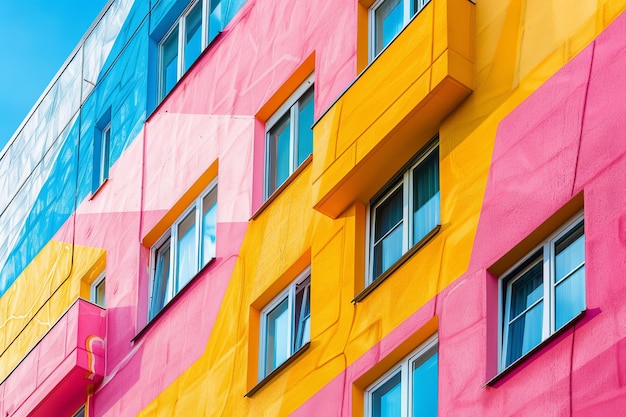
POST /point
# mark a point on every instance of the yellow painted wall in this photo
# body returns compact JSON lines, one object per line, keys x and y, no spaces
{"x":518,"y":46}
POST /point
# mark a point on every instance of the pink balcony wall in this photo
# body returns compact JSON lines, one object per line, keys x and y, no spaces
{"x":53,"y":378}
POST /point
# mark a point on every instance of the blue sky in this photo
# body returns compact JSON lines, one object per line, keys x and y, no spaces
{"x":38,"y":36}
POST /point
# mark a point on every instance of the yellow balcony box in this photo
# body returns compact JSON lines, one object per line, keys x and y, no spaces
{"x":394,"y":107}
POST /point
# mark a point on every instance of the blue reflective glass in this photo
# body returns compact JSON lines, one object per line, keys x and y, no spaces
{"x":216,"y":18}
{"x":305,"y":123}
{"x":209,"y":226}
{"x":193,"y":35}
{"x":426,"y":196}
{"x":279,"y":146}
{"x":169,"y":63}
{"x":526,"y":290}
{"x":277,"y":334}
{"x":524,"y":333}
{"x":388,"y":232}
{"x":570,"y":297}
{"x":570,"y":252}
{"x":187,"y":250}
{"x":162,"y":284}
{"x":389,"y":21}
{"x":569,"y":275}
{"x":426,"y":386}
{"x":387,"y":399}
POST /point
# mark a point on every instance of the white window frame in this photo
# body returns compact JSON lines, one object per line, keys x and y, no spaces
{"x":406,"y":384}
{"x":101,"y":156}
{"x":547,"y":258}
{"x":180,"y":25}
{"x":407,"y":15}
{"x":105,"y":153}
{"x":291,"y":107}
{"x":288,"y":293}
{"x":404,"y":180}
{"x":94,"y":289}
{"x":172,"y":235}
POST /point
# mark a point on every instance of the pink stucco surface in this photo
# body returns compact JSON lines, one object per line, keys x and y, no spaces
{"x":567,"y":137}
{"x":208,"y":117}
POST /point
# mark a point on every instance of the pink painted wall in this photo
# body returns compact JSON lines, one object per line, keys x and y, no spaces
{"x":209,"y":117}
{"x":567,"y":137}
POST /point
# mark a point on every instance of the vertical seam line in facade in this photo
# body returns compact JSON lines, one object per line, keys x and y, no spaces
{"x":582,"y":118}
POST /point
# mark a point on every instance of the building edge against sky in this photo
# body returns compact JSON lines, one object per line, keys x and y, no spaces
{"x":350,"y":208}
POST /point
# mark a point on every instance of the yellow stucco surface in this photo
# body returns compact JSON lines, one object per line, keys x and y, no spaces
{"x":515,"y":52}
{"x":395,"y":106}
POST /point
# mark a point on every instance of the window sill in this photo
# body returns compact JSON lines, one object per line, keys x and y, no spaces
{"x":516,"y":364}
{"x":171,"y":302}
{"x":382,"y":277}
{"x":97,"y":190}
{"x":278,"y":370}
{"x":284,"y":185}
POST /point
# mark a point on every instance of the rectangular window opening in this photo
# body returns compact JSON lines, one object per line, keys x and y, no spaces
{"x":289,"y":137}
{"x":190,"y":34}
{"x":411,"y":388}
{"x":405,"y":212}
{"x":543,"y":292}
{"x":387,"y":19}
{"x":285,"y":324}
{"x":188,"y":245}
{"x":98,"y":290}
{"x":101,"y":151}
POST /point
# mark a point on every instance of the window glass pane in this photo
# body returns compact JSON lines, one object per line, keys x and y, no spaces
{"x":524,"y":333}
{"x":570,"y":297}
{"x":279,"y":144}
{"x":193,"y":35}
{"x":187,"y":250}
{"x":389,"y":20}
{"x":209,"y":223}
{"x":387,"y":399}
{"x":526,"y":290}
{"x":388,"y":231}
{"x":277,"y":350}
{"x":105,"y":148}
{"x":302,"y":318}
{"x":417,"y":5}
{"x":305,"y":122}
{"x":216,"y":19}
{"x":570,"y":252}
{"x":162,"y":286}
{"x":169,"y":63}
{"x":426,"y":196}
{"x":570,"y":276}
{"x":426,"y":385}
{"x":99,"y":293}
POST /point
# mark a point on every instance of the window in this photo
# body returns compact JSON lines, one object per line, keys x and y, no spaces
{"x":199,"y":24}
{"x":98,"y":290}
{"x":543,"y":292}
{"x":289,"y":137}
{"x":285,"y":324}
{"x":388,"y":18}
{"x":409,"y":389}
{"x":405,"y":212}
{"x":185,"y":249}
{"x":101,"y":154}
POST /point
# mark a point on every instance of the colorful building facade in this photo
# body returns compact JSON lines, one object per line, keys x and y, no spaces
{"x":332,"y":208}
